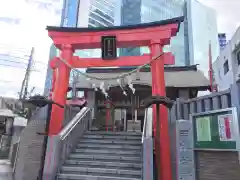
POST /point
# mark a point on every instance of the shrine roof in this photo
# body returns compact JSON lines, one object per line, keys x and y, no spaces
{"x":136,"y":26}
{"x":177,"y":77}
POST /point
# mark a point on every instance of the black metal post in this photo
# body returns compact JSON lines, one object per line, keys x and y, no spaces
{"x":45,"y":142}
{"x":156,"y":139}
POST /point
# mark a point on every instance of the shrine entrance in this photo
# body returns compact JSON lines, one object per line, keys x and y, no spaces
{"x":153,"y":35}
{"x":127,"y":111}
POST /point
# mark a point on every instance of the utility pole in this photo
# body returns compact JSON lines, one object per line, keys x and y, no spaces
{"x":24,"y":86}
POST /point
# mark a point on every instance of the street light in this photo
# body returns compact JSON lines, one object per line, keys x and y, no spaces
{"x":41,"y":101}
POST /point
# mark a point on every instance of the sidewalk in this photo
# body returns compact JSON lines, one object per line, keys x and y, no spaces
{"x":5,"y":170}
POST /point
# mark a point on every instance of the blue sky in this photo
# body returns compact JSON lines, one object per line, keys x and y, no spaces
{"x":23,"y":23}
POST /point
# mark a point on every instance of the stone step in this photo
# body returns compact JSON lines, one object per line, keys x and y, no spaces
{"x":107,"y":155}
{"x":92,"y":177}
{"x":122,"y":137}
{"x":110,"y":133}
{"x":113,"y":158}
{"x":105,"y":171}
{"x":125,"y":165}
{"x":107,"y":141}
{"x":108,"y":146}
{"x":108,"y":151}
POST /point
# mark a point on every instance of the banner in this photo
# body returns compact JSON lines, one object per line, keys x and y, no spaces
{"x":225,"y":127}
{"x":203,"y":129}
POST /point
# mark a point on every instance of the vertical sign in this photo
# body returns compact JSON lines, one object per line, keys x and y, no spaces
{"x":185,"y":150}
{"x":109,"y":47}
{"x":226,"y":128}
{"x":203,"y":129}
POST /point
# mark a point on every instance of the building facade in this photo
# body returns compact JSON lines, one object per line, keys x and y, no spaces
{"x":227,"y":66}
{"x":157,"y":10}
{"x":202,"y":31}
{"x":48,"y":81}
{"x":130,"y":14}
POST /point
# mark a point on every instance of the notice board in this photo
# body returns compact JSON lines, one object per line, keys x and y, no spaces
{"x":216,"y":130}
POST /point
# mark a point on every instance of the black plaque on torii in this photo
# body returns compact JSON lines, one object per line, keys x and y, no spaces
{"x":109,"y":47}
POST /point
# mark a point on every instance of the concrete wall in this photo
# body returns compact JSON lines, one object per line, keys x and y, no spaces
{"x":228,"y":53}
{"x":224,"y":80}
{"x":30,"y":148}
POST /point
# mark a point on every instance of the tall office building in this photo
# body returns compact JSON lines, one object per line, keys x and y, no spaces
{"x":48,"y":81}
{"x":157,"y":10}
{"x":88,"y":13}
{"x":130,"y":14}
{"x":202,"y":31}
{"x":95,"y":13}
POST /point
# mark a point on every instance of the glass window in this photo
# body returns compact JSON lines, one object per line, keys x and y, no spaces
{"x":104,"y":10}
{"x":198,"y":41}
{"x":95,"y":23}
{"x":153,"y":10}
{"x":225,"y":67}
{"x":238,"y":57}
{"x":101,"y":18}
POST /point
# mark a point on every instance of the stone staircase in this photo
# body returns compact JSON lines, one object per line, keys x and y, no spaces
{"x":105,"y":156}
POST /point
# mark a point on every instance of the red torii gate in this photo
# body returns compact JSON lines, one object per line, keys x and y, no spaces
{"x":154,"y":35}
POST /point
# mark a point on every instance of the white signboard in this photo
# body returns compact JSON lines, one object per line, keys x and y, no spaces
{"x":185,"y":153}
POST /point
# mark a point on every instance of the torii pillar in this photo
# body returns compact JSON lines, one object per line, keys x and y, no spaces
{"x":154,"y":35}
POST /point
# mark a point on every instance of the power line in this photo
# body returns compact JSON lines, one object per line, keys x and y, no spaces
{"x":34,"y":70}
{"x":17,"y":62}
{"x":37,"y":62}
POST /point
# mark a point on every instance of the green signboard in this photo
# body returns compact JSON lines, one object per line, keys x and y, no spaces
{"x":216,"y":130}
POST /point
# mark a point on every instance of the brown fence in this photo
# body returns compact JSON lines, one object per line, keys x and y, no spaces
{"x":210,"y":165}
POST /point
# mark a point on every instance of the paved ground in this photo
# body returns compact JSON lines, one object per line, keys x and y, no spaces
{"x":5,"y":170}
{"x":5,"y":178}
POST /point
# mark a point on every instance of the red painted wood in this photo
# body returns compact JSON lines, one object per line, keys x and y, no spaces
{"x":60,"y":93}
{"x":125,"y":38}
{"x":162,"y":140}
{"x":78,"y":62}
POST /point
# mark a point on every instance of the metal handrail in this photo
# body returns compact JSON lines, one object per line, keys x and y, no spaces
{"x":144,"y":125}
{"x":147,"y":146}
{"x":71,"y":125}
{"x":67,"y":139}
{"x":147,"y":126}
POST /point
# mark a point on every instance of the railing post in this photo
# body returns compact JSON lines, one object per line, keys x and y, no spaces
{"x":147,"y":143}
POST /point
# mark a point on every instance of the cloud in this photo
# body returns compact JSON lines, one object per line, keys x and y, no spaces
{"x":32,"y":17}
{"x":227,"y":13}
